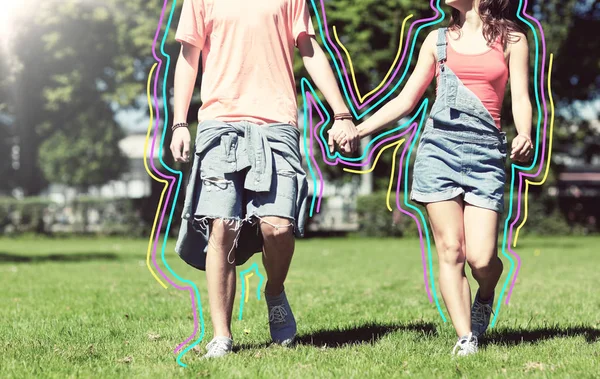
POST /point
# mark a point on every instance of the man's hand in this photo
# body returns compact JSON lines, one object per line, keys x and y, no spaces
{"x":522,"y":148}
{"x":343,"y":133}
{"x":180,"y":145}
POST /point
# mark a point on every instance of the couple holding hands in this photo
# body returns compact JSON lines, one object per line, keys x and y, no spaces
{"x":247,"y":190}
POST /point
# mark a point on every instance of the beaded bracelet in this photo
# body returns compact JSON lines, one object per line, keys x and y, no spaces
{"x":180,"y":125}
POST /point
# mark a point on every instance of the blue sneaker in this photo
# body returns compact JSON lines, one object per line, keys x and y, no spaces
{"x":281,"y":319}
{"x":480,"y":315}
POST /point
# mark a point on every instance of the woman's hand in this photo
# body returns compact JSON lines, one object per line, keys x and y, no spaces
{"x":344,"y":133}
{"x":522,"y":149}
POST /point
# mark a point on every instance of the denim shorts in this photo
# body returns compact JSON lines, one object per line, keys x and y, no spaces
{"x":452,"y":161}
{"x":223,"y":195}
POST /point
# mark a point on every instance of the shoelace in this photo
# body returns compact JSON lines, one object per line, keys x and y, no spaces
{"x":277,"y":314}
{"x":468,"y":344}
{"x":481,"y":312}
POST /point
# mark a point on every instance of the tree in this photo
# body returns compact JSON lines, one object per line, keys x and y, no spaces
{"x":7,"y":171}
{"x":65,"y":56}
{"x":82,"y":157}
{"x":370,"y":31}
{"x":81,"y":56}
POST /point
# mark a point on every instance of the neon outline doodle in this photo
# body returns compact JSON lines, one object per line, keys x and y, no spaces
{"x":311,"y":100}
{"x":348,"y":88}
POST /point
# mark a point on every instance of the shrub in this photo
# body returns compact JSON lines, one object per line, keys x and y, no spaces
{"x":116,"y":216}
{"x":376,"y":220}
{"x":39,"y":215}
{"x":25,"y":215}
{"x":544,"y":217}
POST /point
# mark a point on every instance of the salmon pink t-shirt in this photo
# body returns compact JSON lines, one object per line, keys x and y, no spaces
{"x":247,"y":56}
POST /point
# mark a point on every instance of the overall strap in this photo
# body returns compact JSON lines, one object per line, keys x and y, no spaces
{"x":442,"y":45}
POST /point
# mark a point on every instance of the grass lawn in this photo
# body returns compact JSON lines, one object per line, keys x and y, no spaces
{"x":91,"y":308}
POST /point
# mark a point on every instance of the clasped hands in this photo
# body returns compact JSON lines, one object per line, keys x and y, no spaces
{"x":345,"y":134}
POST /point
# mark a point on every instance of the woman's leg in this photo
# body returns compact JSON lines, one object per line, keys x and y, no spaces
{"x":481,"y":238}
{"x":446,"y":218}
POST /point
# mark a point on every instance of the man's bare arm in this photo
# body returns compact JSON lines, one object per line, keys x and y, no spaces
{"x":186,"y":71}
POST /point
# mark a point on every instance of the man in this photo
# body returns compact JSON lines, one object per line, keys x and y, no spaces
{"x":247,"y":190}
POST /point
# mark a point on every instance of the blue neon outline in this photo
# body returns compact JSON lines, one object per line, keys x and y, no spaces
{"x":176,"y":196}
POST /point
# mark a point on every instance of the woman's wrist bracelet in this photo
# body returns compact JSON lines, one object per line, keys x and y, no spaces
{"x":179,"y":125}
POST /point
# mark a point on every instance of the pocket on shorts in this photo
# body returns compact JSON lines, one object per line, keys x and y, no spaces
{"x":423,"y":170}
{"x":423,"y":140}
{"x":503,"y":149}
{"x":285,"y":178}
{"x":287,"y":184}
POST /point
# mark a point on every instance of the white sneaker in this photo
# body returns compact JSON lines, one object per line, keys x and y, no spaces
{"x":218,"y":347}
{"x":480,"y":315}
{"x":466,"y":345}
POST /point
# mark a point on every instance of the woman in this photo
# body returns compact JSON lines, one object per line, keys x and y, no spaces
{"x":459,"y":172}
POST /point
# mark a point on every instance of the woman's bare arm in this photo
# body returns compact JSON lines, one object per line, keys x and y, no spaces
{"x":411,"y":93}
{"x":521,"y":103}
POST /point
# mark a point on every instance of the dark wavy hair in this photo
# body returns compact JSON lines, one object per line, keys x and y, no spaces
{"x":498,"y":18}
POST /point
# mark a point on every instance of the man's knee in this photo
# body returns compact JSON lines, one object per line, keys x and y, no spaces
{"x":223,"y":232}
{"x":276,"y":229}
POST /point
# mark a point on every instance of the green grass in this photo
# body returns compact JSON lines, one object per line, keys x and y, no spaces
{"x":91,"y":308}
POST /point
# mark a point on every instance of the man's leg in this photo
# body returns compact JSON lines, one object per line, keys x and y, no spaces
{"x":278,"y":235}
{"x":276,"y":212}
{"x":279,"y":243}
{"x":220,"y":205}
{"x":220,"y":275}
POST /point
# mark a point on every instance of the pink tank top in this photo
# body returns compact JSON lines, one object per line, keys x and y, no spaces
{"x":485,"y":74}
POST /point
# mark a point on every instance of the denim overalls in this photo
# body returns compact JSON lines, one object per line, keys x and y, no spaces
{"x":461,"y":151}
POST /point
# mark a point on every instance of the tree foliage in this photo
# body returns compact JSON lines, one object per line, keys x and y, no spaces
{"x":72,"y":66}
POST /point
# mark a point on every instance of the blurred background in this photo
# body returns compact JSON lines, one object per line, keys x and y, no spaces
{"x":74,"y":117}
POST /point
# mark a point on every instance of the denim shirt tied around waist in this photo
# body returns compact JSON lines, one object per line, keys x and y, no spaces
{"x":253,"y":152}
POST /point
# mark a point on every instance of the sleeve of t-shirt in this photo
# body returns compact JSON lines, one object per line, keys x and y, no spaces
{"x":191,"y":24}
{"x":301,"y":20}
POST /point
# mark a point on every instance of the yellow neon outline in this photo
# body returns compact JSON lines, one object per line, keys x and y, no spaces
{"x":362,"y":98}
{"x":392,"y":174}
{"x":246,"y":278}
{"x":153,"y":177}
{"x":376,"y":159}
{"x":527,"y":182}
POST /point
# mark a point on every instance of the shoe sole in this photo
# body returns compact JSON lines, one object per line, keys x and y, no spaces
{"x":286,"y":343}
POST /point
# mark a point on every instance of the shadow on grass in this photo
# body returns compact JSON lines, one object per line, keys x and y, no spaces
{"x":80,"y":257}
{"x":363,"y":334}
{"x":519,"y":336}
